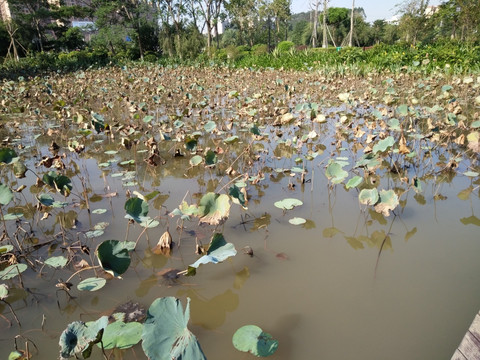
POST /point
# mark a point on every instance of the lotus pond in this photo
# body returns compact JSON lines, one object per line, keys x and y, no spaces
{"x":339,"y":215}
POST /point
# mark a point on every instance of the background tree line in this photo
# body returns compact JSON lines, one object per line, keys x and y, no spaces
{"x":187,"y":28}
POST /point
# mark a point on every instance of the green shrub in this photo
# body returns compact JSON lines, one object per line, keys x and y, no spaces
{"x":259,"y":49}
{"x":285,"y":46}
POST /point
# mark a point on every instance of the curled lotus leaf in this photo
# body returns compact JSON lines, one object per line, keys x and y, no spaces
{"x":113,"y":257}
{"x":214,"y":208}
{"x":165,"y":332}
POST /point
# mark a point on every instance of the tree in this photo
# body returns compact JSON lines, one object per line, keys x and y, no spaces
{"x":31,"y":17}
{"x":243,"y":15}
{"x":413,"y":22}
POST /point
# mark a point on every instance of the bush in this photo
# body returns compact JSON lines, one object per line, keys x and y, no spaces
{"x":285,"y":46}
{"x":259,"y":49}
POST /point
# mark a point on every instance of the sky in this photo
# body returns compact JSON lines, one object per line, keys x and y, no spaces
{"x":374,"y":9}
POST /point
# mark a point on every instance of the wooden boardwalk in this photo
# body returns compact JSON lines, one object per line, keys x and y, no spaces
{"x":469,"y":348}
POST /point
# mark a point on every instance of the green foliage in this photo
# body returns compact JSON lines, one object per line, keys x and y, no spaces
{"x":251,"y":338}
{"x":165,"y":333}
{"x":285,"y":46}
{"x":78,"y":337}
{"x":113,"y":257}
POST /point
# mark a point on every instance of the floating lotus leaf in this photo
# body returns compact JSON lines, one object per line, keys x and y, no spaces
{"x":384,"y":144}
{"x":210,"y":158}
{"x":3,"y":291}
{"x":165,"y":333}
{"x":231,"y":140}
{"x":402,"y":110}
{"x":297,"y":221}
{"x":251,"y":338}
{"x":122,"y":335}
{"x":91,"y":284}
{"x":191,"y":144}
{"x":56,"y":261}
{"x":60,"y":182}
{"x":335,"y":173}
{"x":354,"y":182}
{"x":5,"y":248}
{"x":113,"y":257}
{"x":99,"y":211}
{"x":11,"y":271}
{"x":12,"y":216}
{"x":7,"y":155}
{"x":288,"y":204}
{"x":218,"y":251}
{"x":214,"y":208}
{"x":6,"y":195}
{"x":78,"y":337}
{"x":19,"y":169}
{"x":388,"y":201}
{"x":368,"y":196}
{"x":210,"y":126}
{"x":136,"y":208}
{"x":196,"y":160}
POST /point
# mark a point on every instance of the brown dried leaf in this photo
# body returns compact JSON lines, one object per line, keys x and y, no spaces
{"x":164,"y":245}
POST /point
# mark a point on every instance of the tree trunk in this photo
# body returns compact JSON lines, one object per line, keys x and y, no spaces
{"x":315,"y":26}
{"x":325,"y":39}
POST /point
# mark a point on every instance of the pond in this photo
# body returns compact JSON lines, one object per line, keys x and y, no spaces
{"x":351,"y":204}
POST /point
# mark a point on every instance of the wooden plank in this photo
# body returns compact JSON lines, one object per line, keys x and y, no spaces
{"x":470,"y":347}
{"x":458,"y":356}
{"x":475,"y":327}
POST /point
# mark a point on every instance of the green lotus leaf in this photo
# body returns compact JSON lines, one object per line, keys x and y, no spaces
{"x":219,"y":250}
{"x":354,"y":182}
{"x":113,"y":257}
{"x":46,"y":199}
{"x":368,"y":196}
{"x":297,"y":221}
{"x":19,"y":169}
{"x":384,"y":144}
{"x":3,"y":291}
{"x":231,"y":140}
{"x":288,"y":204}
{"x":99,"y":211}
{"x":210,"y":158}
{"x":6,"y":195}
{"x":11,"y":271}
{"x":121,"y":335}
{"x":60,"y":182}
{"x":91,"y":284}
{"x":388,"y":201}
{"x":191,"y":144}
{"x":136,"y":208}
{"x":7,"y":155}
{"x":5,"y":248}
{"x":251,"y":338}
{"x":79,"y":337}
{"x":335,"y":173}
{"x":238,"y":197}
{"x":56,"y":261}
{"x":165,"y":333}
{"x":214,"y":208}
{"x":196,"y":160}
{"x":402,"y":110}
{"x":210,"y":126}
